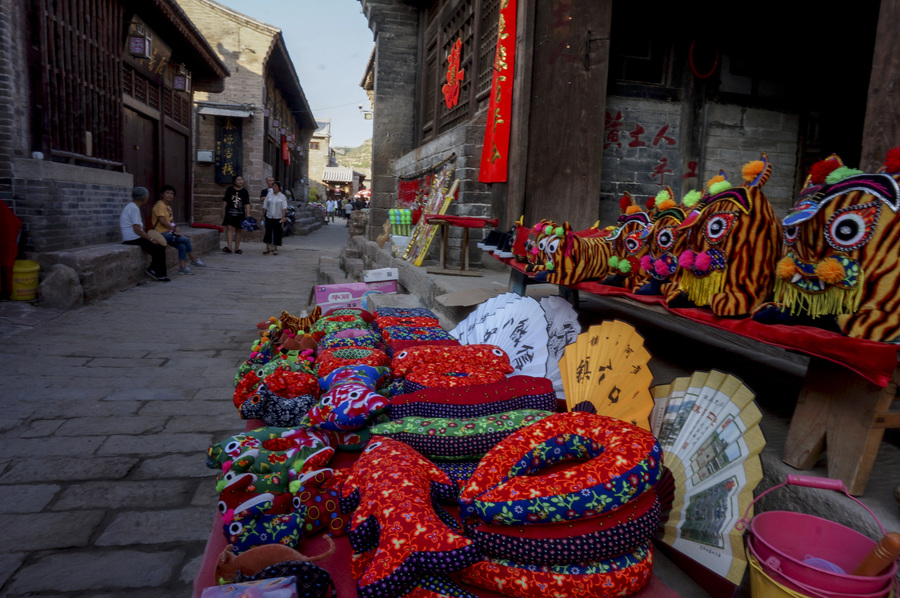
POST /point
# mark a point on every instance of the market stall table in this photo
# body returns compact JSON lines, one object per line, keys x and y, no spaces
{"x":464,"y":222}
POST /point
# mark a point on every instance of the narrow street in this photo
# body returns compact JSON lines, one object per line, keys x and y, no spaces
{"x":108,"y":412}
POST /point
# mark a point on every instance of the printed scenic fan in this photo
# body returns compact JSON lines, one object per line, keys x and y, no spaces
{"x":707,"y":425}
{"x":606,"y":371}
{"x":514,"y":323}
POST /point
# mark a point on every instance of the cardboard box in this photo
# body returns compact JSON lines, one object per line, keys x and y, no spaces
{"x":380,"y":274}
{"x":352,"y":294}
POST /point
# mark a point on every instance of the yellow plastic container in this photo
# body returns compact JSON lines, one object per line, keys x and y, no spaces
{"x":763,"y":586}
{"x":26,"y":274}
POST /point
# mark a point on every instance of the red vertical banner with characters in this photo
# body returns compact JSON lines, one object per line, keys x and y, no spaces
{"x":495,"y":153}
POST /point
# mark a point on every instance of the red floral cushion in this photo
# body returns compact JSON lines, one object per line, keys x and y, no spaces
{"x":331,"y":359}
{"x":450,"y":375}
{"x":490,"y":356}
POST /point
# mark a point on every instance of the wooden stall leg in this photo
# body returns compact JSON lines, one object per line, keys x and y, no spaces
{"x":840,"y":412}
{"x":517,"y":282}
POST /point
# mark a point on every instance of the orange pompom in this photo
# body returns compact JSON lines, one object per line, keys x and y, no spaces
{"x":632,"y":209}
{"x":751,"y":170}
{"x":830,"y":271}
{"x":822,"y":169}
{"x":666,"y":204}
{"x":786,"y":268}
{"x":625,"y":202}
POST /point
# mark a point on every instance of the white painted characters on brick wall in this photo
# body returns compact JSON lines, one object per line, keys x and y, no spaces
{"x":620,"y":134}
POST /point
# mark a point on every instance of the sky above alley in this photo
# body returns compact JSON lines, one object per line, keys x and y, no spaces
{"x":330,"y":43}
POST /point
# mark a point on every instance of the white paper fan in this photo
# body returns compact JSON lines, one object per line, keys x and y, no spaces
{"x":562,"y":330}
{"x":708,"y":427}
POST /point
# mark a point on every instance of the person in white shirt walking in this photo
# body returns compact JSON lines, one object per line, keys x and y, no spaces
{"x":274,"y":212}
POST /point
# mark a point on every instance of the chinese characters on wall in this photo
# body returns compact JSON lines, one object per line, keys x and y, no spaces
{"x":228,"y":149}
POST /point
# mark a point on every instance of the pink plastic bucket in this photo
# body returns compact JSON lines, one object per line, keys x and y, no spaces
{"x":782,"y":541}
{"x":782,"y":573}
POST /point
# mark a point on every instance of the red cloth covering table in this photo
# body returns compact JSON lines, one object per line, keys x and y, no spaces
{"x":464,"y":222}
{"x":848,"y":387}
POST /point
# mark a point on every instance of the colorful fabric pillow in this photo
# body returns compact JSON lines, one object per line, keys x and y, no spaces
{"x":491,"y":356}
{"x":346,"y":406}
{"x":509,"y":394}
{"x":607,"y":462}
{"x":329,"y":324}
{"x":450,"y":375}
{"x":275,"y":410}
{"x":310,"y":580}
{"x":274,"y":586}
{"x":372,"y":376}
{"x":399,"y":338}
{"x":383,"y":322}
{"x":255,"y":527}
{"x":319,"y":494}
{"x":394,"y":487}
{"x":438,"y":587}
{"x":466,"y":438}
{"x":578,"y":541}
{"x":458,"y":471}
{"x":364,"y":338}
{"x":351,"y":311}
{"x":331,"y":359}
{"x":269,"y":438}
{"x":619,"y":576}
{"x":404,"y":312}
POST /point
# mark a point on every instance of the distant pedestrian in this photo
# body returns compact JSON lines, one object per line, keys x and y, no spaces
{"x":132,"y":225}
{"x":274,"y":213}
{"x":348,"y":207}
{"x":235,"y":207}
{"x":267,"y":190}
{"x":329,"y":210}
{"x":164,"y":223}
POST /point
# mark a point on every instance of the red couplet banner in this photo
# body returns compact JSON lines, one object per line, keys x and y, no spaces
{"x":495,"y":153}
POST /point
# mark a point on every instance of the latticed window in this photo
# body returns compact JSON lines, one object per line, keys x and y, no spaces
{"x":76,"y":83}
{"x":472,"y":24}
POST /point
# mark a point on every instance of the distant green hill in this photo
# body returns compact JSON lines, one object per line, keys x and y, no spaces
{"x":358,"y":158}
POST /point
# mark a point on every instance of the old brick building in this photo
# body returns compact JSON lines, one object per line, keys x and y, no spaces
{"x":260,"y":124}
{"x":608,"y":97}
{"x":86,"y":116}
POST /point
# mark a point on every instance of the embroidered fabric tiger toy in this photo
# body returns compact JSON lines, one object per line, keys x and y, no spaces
{"x":659,"y":264}
{"x":734,"y":241}
{"x":573,"y":258}
{"x":629,"y":244}
{"x":842,"y":242}
{"x":534,"y":254}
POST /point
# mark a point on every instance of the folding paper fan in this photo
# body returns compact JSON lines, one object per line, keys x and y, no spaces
{"x":606,"y":370}
{"x":708,"y":426}
{"x":562,"y":330}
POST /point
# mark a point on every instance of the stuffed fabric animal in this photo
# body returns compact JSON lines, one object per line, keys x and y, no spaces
{"x":629,"y":240}
{"x":275,"y":410}
{"x":255,"y":560}
{"x":659,"y":264}
{"x":346,"y":406}
{"x":490,"y":356}
{"x":841,"y":257}
{"x":735,"y":238}
{"x":310,"y":580}
{"x":319,"y":493}
{"x":255,"y":527}
{"x":534,"y":248}
{"x":397,"y":535}
{"x":572,"y":258}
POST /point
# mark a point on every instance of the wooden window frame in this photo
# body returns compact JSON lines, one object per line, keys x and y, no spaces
{"x":475,"y":22}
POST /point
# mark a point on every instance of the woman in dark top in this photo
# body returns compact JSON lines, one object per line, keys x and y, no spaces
{"x":235,"y":207}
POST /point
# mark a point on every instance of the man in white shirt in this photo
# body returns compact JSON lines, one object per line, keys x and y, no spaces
{"x":329,"y":210}
{"x":131,"y":222}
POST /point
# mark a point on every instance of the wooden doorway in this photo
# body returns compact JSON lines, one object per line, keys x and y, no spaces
{"x":139,"y":155}
{"x":175,"y":172}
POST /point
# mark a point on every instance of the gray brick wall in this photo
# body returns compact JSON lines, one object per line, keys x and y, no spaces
{"x":645,"y":148}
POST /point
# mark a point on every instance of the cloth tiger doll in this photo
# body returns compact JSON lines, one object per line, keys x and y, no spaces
{"x":534,"y":253}
{"x":572,"y":257}
{"x":842,"y":242}
{"x":734,"y":241}
{"x":659,"y":264}
{"x":629,"y":244}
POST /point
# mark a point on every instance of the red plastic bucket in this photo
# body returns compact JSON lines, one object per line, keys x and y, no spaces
{"x":787,"y":545}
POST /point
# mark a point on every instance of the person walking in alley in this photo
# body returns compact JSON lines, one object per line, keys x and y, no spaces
{"x":348,"y":207}
{"x":164,"y":223}
{"x":235,"y":207}
{"x":274,"y":213}
{"x":329,"y":210}
{"x":132,"y":225}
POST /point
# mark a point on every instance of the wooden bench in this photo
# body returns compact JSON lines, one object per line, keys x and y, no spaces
{"x":849,"y":385}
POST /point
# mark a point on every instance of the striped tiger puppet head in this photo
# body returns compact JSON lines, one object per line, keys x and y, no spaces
{"x":629,"y":244}
{"x":659,"y":264}
{"x":842,"y":246}
{"x":534,"y":254}
{"x":733,"y":242}
{"x":573,"y":257}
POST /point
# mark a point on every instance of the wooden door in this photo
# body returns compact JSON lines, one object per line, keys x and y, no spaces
{"x":569,"y":69}
{"x":175,"y":172}
{"x":140,"y":140}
